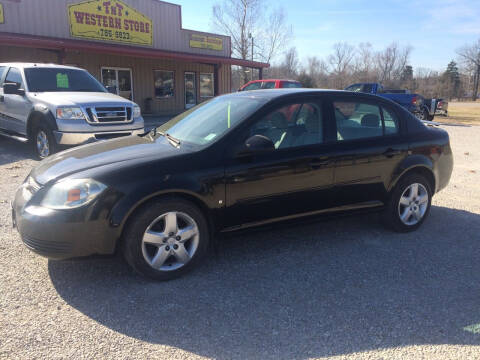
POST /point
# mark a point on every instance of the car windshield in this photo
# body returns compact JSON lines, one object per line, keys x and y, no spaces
{"x":209,"y":121}
{"x":61,"y":79}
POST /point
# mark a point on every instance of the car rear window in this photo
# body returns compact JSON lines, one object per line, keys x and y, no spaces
{"x":291,"y":84}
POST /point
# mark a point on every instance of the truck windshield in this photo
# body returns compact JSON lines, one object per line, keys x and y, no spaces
{"x":59,"y":79}
{"x":211,"y":120}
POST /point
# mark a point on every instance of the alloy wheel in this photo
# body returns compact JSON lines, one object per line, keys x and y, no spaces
{"x":170,"y":241}
{"x":413,"y":204}
{"x":43,"y":146}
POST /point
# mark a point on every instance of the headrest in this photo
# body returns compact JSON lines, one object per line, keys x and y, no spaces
{"x":371,"y":120}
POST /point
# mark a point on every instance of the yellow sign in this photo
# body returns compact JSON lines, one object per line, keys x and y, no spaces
{"x":2,"y":16}
{"x":206,"y":42}
{"x":110,"y":20}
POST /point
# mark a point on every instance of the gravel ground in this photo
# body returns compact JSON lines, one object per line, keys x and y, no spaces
{"x":344,"y":288}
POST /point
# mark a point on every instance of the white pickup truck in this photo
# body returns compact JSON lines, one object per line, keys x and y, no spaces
{"x":51,"y":105}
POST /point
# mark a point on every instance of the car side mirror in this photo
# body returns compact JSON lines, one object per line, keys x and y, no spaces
{"x":257,"y":144}
{"x":12,"y":89}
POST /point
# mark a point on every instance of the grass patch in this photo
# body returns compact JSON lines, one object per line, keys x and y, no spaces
{"x":462,"y":112}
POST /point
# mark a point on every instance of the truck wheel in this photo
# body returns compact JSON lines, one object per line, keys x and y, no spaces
{"x":166,"y":239}
{"x":43,"y":142}
{"x":423,"y":115}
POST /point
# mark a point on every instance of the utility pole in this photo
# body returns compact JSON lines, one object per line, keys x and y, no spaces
{"x":251,"y":70}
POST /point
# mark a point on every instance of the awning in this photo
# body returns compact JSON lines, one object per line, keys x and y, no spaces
{"x":41,"y":42}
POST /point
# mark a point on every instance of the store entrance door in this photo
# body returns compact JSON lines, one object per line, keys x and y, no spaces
{"x":118,"y":81}
{"x":190,"y":90}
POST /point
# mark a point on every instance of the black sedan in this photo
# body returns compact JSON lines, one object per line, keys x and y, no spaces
{"x":234,"y":162}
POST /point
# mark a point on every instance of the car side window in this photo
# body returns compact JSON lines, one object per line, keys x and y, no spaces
{"x":268,"y":85}
{"x":357,"y":120}
{"x":253,"y":86}
{"x":14,"y":76}
{"x":354,"y":88}
{"x":290,"y":126}
{"x":390,"y":122}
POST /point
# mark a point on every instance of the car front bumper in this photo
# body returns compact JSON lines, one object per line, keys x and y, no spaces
{"x":79,"y":138}
{"x":62,"y":234}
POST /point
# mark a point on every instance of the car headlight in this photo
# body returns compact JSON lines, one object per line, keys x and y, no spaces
{"x":137,"y":112}
{"x":68,"y":113}
{"x":72,"y":193}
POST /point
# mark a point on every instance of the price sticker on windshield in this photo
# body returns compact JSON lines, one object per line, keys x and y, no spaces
{"x":62,"y":81}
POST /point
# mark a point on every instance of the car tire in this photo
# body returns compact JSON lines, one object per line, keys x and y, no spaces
{"x":157,"y":248}
{"x":42,"y":142}
{"x":408,"y":208}
{"x":423,"y":115}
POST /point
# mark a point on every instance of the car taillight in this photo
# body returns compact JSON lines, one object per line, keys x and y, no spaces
{"x":414,"y":100}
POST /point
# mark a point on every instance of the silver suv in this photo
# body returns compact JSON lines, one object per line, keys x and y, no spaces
{"x":51,"y":105}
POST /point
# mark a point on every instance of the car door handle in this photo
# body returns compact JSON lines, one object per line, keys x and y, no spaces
{"x":391,"y":152}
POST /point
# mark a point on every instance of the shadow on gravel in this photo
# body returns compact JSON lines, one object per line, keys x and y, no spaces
{"x":12,"y":151}
{"x":328,"y":288}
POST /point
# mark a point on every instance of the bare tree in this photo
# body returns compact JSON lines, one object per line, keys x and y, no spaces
{"x":340,"y":61}
{"x":470,"y":55}
{"x":272,"y":39}
{"x":291,"y":63}
{"x":256,"y":33}
{"x":364,"y":63}
{"x":391,"y":63}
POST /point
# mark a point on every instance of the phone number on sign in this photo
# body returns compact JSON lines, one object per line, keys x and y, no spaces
{"x":122,"y":35}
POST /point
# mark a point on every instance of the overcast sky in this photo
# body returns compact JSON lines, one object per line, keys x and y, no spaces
{"x":434,"y":28}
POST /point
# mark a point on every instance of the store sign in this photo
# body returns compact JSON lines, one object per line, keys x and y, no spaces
{"x":2,"y":16}
{"x":206,"y":42}
{"x":110,"y":20}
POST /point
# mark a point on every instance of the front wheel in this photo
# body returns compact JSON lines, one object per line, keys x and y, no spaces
{"x":409,"y":203}
{"x":43,"y":142}
{"x":166,"y":239}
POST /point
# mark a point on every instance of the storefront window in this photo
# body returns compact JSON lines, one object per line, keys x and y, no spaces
{"x":206,"y":85}
{"x":164,"y":84}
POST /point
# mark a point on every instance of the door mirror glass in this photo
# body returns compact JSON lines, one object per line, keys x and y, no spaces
{"x":258,"y":143}
{"x":12,"y":89}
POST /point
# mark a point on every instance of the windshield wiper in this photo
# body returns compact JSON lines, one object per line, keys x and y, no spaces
{"x":173,"y":140}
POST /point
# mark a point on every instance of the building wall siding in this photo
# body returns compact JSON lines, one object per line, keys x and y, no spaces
{"x":142,"y":73}
{"x":50,"y":18}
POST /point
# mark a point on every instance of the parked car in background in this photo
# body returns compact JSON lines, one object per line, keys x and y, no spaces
{"x":270,"y":84}
{"x":231,"y":163}
{"x":442,"y":107}
{"x":422,"y":108}
{"x":52,"y":105}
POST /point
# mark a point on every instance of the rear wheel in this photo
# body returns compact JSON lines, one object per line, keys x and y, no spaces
{"x":166,"y":239}
{"x":42,"y":141}
{"x":423,"y":114}
{"x":409,"y":203}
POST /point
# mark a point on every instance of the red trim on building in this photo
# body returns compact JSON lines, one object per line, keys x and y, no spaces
{"x":41,"y":42}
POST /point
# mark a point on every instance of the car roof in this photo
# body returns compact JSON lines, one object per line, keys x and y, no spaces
{"x":271,"y":80}
{"x":271,"y":94}
{"x":24,"y":65}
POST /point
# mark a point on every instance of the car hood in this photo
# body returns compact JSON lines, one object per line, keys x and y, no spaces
{"x":81,"y":98}
{"x":122,"y":150}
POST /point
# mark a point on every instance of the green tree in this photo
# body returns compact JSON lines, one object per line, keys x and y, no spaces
{"x":451,"y":80}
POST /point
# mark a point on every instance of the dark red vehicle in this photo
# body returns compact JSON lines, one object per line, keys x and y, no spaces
{"x":270,"y":84}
